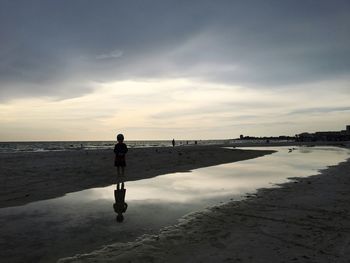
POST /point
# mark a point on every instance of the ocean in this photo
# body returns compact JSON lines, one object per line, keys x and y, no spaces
{"x":16,"y":147}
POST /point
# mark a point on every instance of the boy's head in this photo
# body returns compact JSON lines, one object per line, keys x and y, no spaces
{"x":120,"y":137}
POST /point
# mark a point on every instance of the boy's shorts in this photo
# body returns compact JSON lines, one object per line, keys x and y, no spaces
{"x":119,"y":162}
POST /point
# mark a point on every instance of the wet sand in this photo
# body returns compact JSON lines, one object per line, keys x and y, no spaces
{"x":306,"y":220}
{"x":28,"y":177}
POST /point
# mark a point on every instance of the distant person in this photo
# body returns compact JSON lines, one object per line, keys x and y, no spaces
{"x":173,"y":142}
{"x":120,"y":206}
{"x":120,"y":150}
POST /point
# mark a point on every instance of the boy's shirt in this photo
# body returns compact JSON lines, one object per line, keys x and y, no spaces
{"x":120,"y":149}
{"x":120,"y":206}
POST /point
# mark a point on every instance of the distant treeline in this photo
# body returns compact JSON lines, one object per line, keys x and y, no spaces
{"x":343,"y":135}
{"x":323,"y":136}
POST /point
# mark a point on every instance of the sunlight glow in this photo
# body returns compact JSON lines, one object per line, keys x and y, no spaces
{"x":155,"y":109}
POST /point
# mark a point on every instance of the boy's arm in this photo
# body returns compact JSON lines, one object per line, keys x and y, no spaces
{"x":115,"y":149}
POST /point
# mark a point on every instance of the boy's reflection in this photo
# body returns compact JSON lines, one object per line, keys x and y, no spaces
{"x":120,"y":206}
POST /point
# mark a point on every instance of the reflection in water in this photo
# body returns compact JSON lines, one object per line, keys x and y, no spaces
{"x":81,"y":222}
{"x":211,"y":185}
{"x":120,"y":205}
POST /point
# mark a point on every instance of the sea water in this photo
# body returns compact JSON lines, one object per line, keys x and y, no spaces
{"x":46,"y":146}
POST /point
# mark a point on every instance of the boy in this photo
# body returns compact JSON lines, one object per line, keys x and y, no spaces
{"x":120,"y":149}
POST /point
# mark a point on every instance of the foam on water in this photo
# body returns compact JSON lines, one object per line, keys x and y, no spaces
{"x":14,"y":147}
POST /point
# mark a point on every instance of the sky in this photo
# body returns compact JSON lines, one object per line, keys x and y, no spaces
{"x":161,"y":69}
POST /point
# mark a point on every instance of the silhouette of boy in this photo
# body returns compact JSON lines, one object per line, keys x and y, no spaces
{"x":120,"y":150}
{"x":120,"y":206}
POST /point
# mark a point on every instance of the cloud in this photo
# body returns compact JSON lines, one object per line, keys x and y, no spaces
{"x":57,"y":48}
{"x":158,"y":109}
{"x":113,"y":54}
{"x":220,"y":107}
{"x":319,"y":110}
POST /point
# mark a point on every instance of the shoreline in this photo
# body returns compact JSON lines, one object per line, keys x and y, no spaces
{"x":78,"y":147}
{"x":305,"y":220}
{"x":28,"y":177}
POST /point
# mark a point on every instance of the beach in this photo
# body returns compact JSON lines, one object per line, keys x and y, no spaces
{"x":32,"y":176}
{"x":305,"y":220}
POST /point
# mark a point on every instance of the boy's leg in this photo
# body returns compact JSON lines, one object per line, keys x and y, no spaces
{"x":123,"y":169}
{"x":118,"y":170}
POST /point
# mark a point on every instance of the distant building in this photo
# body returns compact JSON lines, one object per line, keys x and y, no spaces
{"x":343,"y":135}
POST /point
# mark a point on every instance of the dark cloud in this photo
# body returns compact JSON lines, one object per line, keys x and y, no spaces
{"x":54,"y":48}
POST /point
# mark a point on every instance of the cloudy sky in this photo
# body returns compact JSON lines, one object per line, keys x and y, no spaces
{"x":86,"y":70}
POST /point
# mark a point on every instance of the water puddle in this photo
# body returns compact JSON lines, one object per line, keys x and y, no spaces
{"x":84,"y":221}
